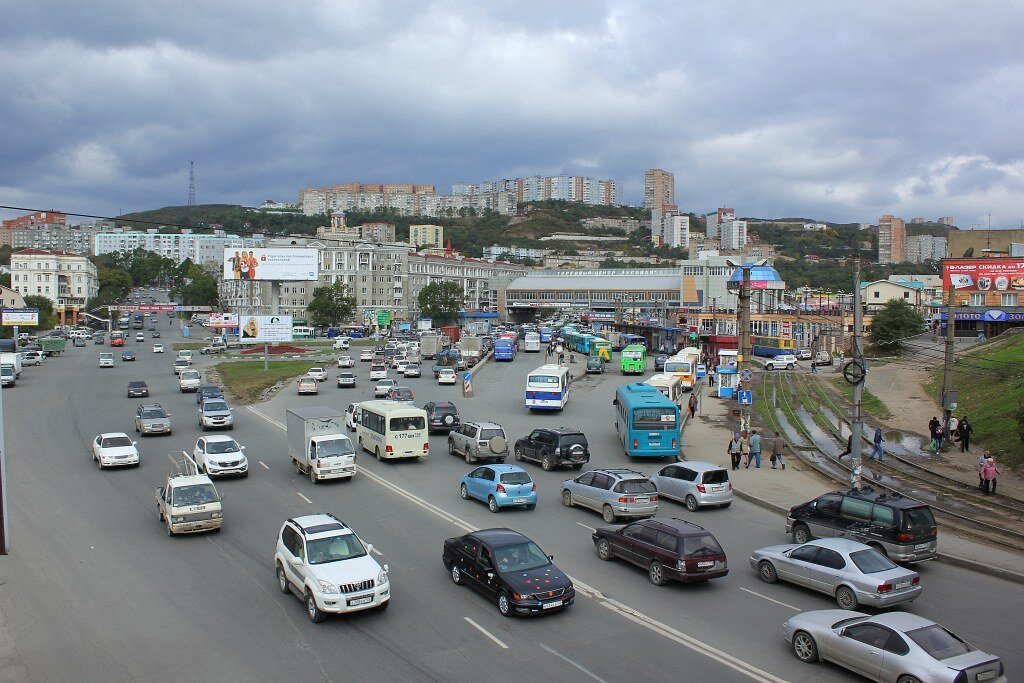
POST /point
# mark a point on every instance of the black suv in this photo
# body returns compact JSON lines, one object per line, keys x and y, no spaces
{"x":208,"y":391}
{"x":899,"y":527}
{"x":554,"y":447}
{"x":442,"y":416}
{"x":668,"y":548}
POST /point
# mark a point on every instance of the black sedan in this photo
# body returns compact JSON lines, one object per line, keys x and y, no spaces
{"x":128,"y":355}
{"x":508,"y":569}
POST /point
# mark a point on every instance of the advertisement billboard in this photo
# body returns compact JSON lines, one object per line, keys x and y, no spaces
{"x":20,"y":316}
{"x":260,"y":329}
{"x":222,"y":320}
{"x":271,"y":264}
{"x":984,"y":275}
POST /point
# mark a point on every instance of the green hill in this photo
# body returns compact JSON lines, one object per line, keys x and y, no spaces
{"x":228,"y":216}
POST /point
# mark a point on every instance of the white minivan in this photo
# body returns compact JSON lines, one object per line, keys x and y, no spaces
{"x":391,"y":430}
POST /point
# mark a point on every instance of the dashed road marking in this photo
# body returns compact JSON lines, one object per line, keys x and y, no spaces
{"x":777,"y":602}
{"x":587,"y":527}
{"x":264,"y":465}
{"x":303,"y":498}
{"x":487,"y":633}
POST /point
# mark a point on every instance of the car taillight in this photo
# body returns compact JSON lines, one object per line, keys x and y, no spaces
{"x":730,"y":486}
{"x":673,"y":443}
{"x":653,"y":498}
{"x":389,"y":449}
{"x":500,"y":488}
{"x":916,"y":580}
{"x":636,"y":443}
{"x":426,"y":447}
{"x":904,"y":537}
{"x":625,"y":499}
{"x":700,"y":487}
{"x":534,"y":487}
{"x":884,"y":588}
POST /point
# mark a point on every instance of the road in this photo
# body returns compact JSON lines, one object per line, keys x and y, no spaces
{"x":95,"y":590}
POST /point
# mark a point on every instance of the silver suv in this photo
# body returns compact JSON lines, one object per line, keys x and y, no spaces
{"x":151,"y":418}
{"x":783,"y":360}
{"x":477,"y":441}
{"x":697,"y":484}
{"x":614,"y":493}
{"x":324,"y":563}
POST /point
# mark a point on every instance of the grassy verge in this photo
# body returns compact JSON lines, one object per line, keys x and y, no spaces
{"x":871,"y":404}
{"x":188,"y":346}
{"x":246,"y":380}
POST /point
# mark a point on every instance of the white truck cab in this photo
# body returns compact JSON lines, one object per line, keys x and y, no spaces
{"x":188,"y":502}
{"x":318,"y":445}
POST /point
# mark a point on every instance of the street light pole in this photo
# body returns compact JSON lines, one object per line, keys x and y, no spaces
{"x":857,"y":361}
{"x":948,"y":395}
{"x":743,"y":318}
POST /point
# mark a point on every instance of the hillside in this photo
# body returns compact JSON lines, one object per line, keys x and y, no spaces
{"x":230,"y":217}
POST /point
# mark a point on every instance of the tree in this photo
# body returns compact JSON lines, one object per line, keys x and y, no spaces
{"x":331,"y":304}
{"x":194,"y":287}
{"x":441,"y":301}
{"x":896,"y":321}
{"x":46,"y":318}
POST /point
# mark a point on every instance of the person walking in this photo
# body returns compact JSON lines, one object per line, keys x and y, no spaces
{"x":814,"y":367}
{"x":711,"y":378}
{"x":940,"y":437}
{"x":981,"y":466}
{"x":735,"y":451}
{"x":965,"y":435}
{"x":849,"y":447}
{"x":754,"y":450}
{"x":692,"y":404}
{"x":990,"y":474}
{"x":877,"y":453}
{"x":933,"y":424}
{"x":778,"y":446}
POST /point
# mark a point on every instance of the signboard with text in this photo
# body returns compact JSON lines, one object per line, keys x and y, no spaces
{"x":260,"y":329}
{"x":984,"y":274}
{"x":222,"y":320}
{"x":20,"y":316}
{"x":787,"y":329}
{"x":271,"y":264}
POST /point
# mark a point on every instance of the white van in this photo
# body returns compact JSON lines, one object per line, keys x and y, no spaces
{"x":391,"y":430}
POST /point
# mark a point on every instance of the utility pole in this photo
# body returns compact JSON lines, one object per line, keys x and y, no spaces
{"x":856,"y":373}
{"x":949,"y":397}
{"x":744,"y":339}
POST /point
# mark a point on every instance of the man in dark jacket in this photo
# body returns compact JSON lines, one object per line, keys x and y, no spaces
{"x":933,"y":425}
{"x":965,"y":430}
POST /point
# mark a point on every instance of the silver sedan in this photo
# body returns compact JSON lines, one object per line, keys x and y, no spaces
{"x":854,"y":573}
{"x":894,"y":647}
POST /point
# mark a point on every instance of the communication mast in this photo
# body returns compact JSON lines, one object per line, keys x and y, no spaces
{"x":191,"y":183}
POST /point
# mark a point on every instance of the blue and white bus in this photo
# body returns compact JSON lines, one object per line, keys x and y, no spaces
{"x":545,"y":335}
{"x":646,"y":421}
{"x":547,"y":388}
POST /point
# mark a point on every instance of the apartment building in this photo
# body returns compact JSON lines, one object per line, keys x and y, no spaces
{"x":426,"y":235}
{"x":540,"y":188}
{"x":495,"y":252}
{"x":892,"y":236}
{"x":627,"y":224}
{"x":37,"y":219}
{"x":921,"y":248}
{"x":201,"y":249}
{"x":68,"y":280}
{"x":659,"y":188}
{"x":732,"y":234}
{"x":715,"y":221}
{"x":74,"y":239}
{"x":10,"y":298}
{"x":377,"y":232}
{"x":669,"y":228}
{"x":407,"y":199}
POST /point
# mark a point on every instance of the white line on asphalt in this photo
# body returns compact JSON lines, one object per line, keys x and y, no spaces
{"x":487,"y":633}
{"x":264,"y":465}
{"x":581,"y":668}
{"x":303,"y":498}
{"x":586,"y":527}
{"x":795,"y":609}
{"x":376,"y":552}
{"x":654,"y":625}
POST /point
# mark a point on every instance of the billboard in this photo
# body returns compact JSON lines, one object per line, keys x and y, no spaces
{"x":271,"y":264}
{"x":20,"y":316}
{"x":222,"y":320}
{"x":260,"y":329}
{"x":984,"y":275}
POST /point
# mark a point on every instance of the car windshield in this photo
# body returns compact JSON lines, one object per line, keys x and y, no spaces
{"x":938,"y":642}
{"x":334,"y":549}
{"x":520,"y":557}
{"x":181,"y":362}
{"x":107,"y":356}
{"x":412,"y":366}
{"x":488,"y":434}
{"x":334,"y":448}
{"x":570,"y":440}
{"x":594,"y":362}
{"x":116,"y":442}
{"x":136,"y":385}
{"x":447,"y":371}
{"x":196,"y":494}
{"x":407,"y":424}
{"x":403,"y":393}
{"x":870,"y":561}
{"x":654,"y":418}
{"x":516,"y":478}
{"x":153,"y":414}
{"x":220,"y":447}
{"x":190,"y":374}
{"x":701,"y":545}
{"x":214,"y":405}
{"x":635,"y":486}
{"x":307,"y":380}
{"x":346,"y":375}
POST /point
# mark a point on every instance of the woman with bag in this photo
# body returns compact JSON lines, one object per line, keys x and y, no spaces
{"x":990,"y":474}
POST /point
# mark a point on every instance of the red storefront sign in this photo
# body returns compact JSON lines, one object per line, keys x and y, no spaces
{"x":984,"y":275}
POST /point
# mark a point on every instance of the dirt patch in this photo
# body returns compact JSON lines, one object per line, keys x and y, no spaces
{"x":276,"y":350}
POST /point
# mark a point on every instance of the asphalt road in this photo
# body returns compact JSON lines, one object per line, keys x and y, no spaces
{"x":95,"y":591}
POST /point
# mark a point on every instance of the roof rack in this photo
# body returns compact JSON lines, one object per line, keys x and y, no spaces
{"x":302,"y":529}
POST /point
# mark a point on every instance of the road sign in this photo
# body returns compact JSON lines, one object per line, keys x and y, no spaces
{"x":467,"y":384}
{"x":746,"y":397}
{"x":746,"y":375}
{"x":702,"y":370}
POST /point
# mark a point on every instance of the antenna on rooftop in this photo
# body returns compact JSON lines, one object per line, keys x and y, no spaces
{"x":191,"y":183}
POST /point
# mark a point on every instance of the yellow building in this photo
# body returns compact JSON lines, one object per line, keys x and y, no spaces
{"x":426,"y":235}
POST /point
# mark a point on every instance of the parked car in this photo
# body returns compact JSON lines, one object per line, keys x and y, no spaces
{"x":783,"y":360}
{"x":892,"y":646}
{"x":477,"y":441}
{"x":442,"y":416}
{"x":508,"y":568}
{"x":158,"y":348}
{"x":803,"y":354}
{"x":822,"y":358}
{"x":901,"y":528}
{"x":615,"y":493}
{"x":669,"y":549}
{"x":378,"y":371}
{"x":214,"y":413}
{"x":307,"y":385}
{"x":346,"y":380}
{"x":553,"y":447}
{"x":500,"y":486}
{"x":151,"y":418}
{"x":346,"y":362}
{"x":595,"y":365}
{"x":127,"y":356}
{"x":446,"y":376}
{"x":208,"y":391}
{"x":219,"y":456}
{"x":400,"y":394}
{"x":138,"y":389}
{"x":411,"y":370}
{"x":853,"y":573}
{"x":659,"y":362}
{"x":382,"y":387}
{"x":318,"y":373}
{"x":326,"y":565}
{"x":366,"y":355}
{"x":697,"y":484}
{"x":115,"y":449}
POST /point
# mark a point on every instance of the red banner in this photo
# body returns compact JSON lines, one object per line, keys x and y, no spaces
{"x":984,"y":275}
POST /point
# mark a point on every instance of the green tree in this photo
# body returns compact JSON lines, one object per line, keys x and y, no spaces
{"x":194,"y":287}
{"x":441,"y":301}
{"x":46,"y":317}
{"x":896,"y":321}
{"x":331,"y":304}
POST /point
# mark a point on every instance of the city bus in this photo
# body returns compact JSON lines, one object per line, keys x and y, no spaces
{"x":601,"y":348}
{"x":531,"y":342}
{"x":669,"y":385}
{"x":547,"y":388}
{"x":770,"y":347}
{"x":302,"y":332}
{"x":646,"y":422}
{"x":124,"y":323}
{"x":391,"y":430}
{"x":545,"y":335}
{"x":684,"y":366}
{"x":634,"y":360}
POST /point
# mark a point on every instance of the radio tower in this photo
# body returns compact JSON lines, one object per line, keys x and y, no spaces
{"x":191,"y":183}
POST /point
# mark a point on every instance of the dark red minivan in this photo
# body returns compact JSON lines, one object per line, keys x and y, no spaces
{"x":668,"y":548}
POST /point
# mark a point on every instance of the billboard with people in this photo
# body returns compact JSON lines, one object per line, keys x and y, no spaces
{"x":271,"y":264}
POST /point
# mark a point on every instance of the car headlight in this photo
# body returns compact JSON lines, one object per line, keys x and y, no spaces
{"x":215,"y":515}
{"x":178,"y":519}
{"x":327,"y":587}
{"x":382,"y":578}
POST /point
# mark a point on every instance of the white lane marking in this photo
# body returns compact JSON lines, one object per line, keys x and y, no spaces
{"x":777,"y":602}
{"x":376,"y":552}
{"x":587,"y":527}
{"x":650,"y":623}
{"x":303,"y":498}
{"x":264,"y":465}
{"x":487,"y":633}
{"x":578,"y":666}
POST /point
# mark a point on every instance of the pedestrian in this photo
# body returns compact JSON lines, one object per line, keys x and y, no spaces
{"x":877,"y":452}
{"x":692,"y":404}
{"x":990,"y":474}
{"x":933,"y":424}
{"x":778,"y":446}
{"x":711,"y":378}
{"x":735,"y":451}
{"x":981,"y":466}
{"x":940,"y":437}
{"x":814,"y":368}
{"x":849,"y":447}
{"x":755,"y":450}
{"x":966,"y":430}
{"x":561,"y":358}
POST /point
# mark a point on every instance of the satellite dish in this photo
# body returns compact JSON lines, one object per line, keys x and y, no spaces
{"x":969,"y":253}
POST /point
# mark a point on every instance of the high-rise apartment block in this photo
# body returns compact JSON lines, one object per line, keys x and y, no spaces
{"x":659,"y":188}
{"x":36,"y":219}
{"x":540,"y":188}
{"x":732,"y":234}
{"x":947,"y":221}
{"x":669,"y":228}
{"x":715,"y":221}
{"x":892,"y":238}
{"x":381,"y":233}
{"x":921,"y":248}
{"x":201,"y":249}
{"x":426,"y":235}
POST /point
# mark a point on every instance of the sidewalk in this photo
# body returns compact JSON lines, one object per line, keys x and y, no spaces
{"x":707,"y":436}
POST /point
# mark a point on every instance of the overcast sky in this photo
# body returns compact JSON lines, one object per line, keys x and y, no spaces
{"x":838,"y":111}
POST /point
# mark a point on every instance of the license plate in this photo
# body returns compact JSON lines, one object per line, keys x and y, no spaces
{"x":716,"y":489}
{"x":703,"y":565}
{"x":643,"y":501}
{"x":985,"y":675}
{"x":902,"y":584}
{"x":519,"y":501}
{"x":921,"y":546}
{"x":360,"y":601}
{"x":550,"y":605}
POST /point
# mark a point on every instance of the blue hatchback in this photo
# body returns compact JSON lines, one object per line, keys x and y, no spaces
{"x":500,"y":486}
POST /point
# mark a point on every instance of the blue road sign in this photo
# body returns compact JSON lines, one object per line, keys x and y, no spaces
{"x":467,"y":377}
{"x":746,"y":397}
{"x":702,"y":370}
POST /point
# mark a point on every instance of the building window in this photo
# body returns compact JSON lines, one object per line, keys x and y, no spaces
{"x":977,"y":299}
{"x":876,"y":295}
{"x":906,"y":295}
{"x":1009,"y":299}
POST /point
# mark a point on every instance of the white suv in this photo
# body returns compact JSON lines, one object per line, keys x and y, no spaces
{"x":783,"y":360}
{"x":322,"y":561}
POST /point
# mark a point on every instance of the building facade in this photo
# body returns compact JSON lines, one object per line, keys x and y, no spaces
{"x":983,"y":242}
{"x":406,"y":198}
{"x":715,"y":221}
{"x":496,"y":252}
{"x":75,"y":239}
{"x":201,"y":249}
{"x":659,"y":188}
{"x":922,"y":248}
{"x":875,"y":295}
{"x":68,"y":280}
{"x":540,"y":188}
{"x":892,"y":236}
{"x":377,"y":232}
{"x":732,"y":234}
{"x":482,"y":281}
{"x":10,"y":298}
{"x":39,"y":218}
{"x":426,"y":235}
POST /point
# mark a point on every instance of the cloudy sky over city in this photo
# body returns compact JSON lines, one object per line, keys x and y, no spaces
{"x":838,"y":111}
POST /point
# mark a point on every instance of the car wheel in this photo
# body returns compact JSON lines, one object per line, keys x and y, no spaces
{"x":547,"y":463}
{"x":767,"y":572}
{"x":504,"y":604}
{"x":578,"y":467}
{"x":312,"y":476}
{"x":519,"y":454}
{"x":492,"y":504}
{"x":907,"y":679}
{"x":789,"y":366}
{"x":456,"y":575}
{"x":691,"y":504}
{"x":725,"y":505}
{"x":846,"y":598}
{"x":804,"y":647}
{"x":377,"y":453}
{"x":604,"y":550}
{"x":608,"y":514}
{"x":801,"y":534}
{"x":451,"y":447}
{"x":656,"y":573}
{"x":469,"y":458}
{"x":567,"y":498}
{"x":170,"y":531}
{"x":531,"y":506}
{"x":282,"y":580}
{"x":464,"y":492}
{"x":313,"y":610}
